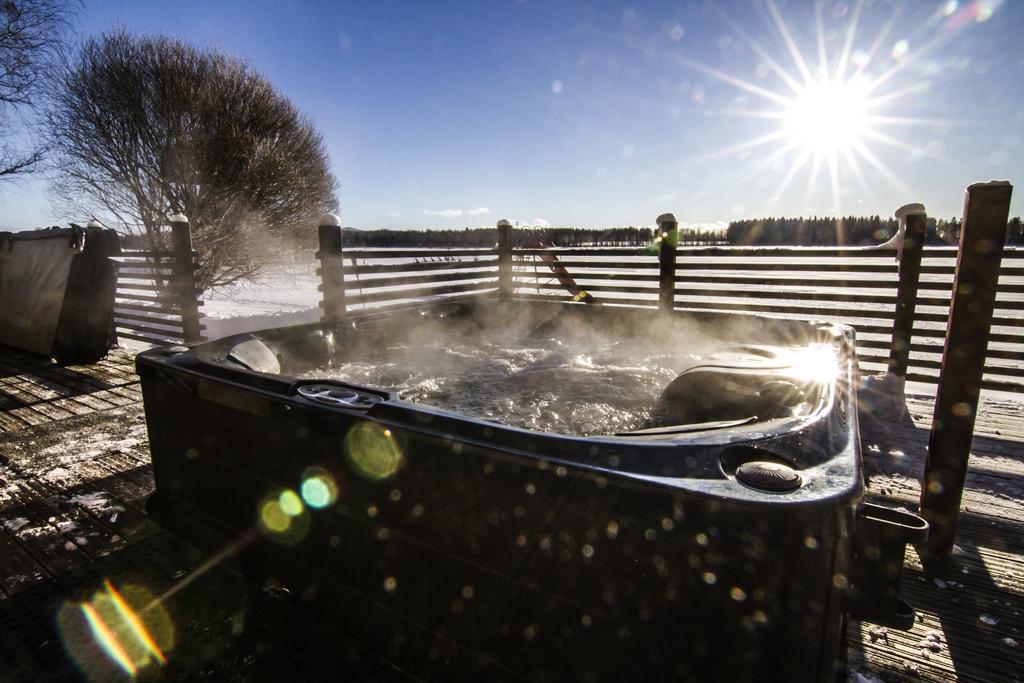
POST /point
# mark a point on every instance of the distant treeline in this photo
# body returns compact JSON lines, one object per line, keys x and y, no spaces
{"x":815,"y":231}
{"x":559,"y":237}
{"x":853,"y":231}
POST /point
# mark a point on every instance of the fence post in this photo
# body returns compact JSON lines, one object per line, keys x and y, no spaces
{"x":185,"y":290}
{"x":906,"y":294}
{"x":504,"y":260}
{"x":982,"y":236}
{"x":332,"y":268}
{"x":668,"y":236}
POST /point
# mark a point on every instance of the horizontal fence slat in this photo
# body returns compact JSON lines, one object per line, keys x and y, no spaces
{"x":140,"y":327}
{"x":413,"y":253}
{"x":167,"y":322}
{"x":416,"y":267}
{"x":144,"y":297}
{"x":142,"y":287}
{"x":559,"y":252}
{"x":164,"y":310}
{"x":134,"y":328}
{"x":758,"y":279}
{"x":376,"y":283}
{"x":573,"y":266}
{"x":590,"y":288}
{"x":801,"y":310}
{"x":852,"y":269}
{"x":148,"y":340}
{"x":419,"y":293}
{"x":528,"y":275}
{"x":777,"y":294}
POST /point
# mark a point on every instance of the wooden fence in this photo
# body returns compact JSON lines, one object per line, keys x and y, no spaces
{"x":157,"y":300}
{"x":862,"y":287}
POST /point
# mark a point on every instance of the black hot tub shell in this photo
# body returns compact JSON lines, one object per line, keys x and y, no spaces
{"x":458,"y":548}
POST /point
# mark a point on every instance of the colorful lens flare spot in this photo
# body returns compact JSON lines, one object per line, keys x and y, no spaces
{"x":372,"y":451}
{"x":290,"y":503}
{"x":318,"y":489}
{"x":282,"y":517}
{"x":126,"y":629}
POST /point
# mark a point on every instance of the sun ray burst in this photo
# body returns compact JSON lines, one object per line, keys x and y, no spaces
{"x":831,"y":106}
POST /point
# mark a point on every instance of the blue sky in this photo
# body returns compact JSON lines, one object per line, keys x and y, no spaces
{"x":453,"y":114}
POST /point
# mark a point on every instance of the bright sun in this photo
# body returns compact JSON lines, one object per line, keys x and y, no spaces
{"x":827,"y":118}
{"x":829,"y":114}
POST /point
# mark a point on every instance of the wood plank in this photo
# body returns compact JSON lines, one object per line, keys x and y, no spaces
{"x":373,"y":283}
{"x":421,"y":292}
{"x":155,"y":341}
{"x":373,"y":269}
{"x":356,"y":252}
{"x":18,"y":569}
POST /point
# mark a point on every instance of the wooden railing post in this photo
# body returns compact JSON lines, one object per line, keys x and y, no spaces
{"x":906,"y":293}
{"x":504,"y":260}
{"x":982,"y":236}
{"x":185,"y":288}
{"x":668,"y":236}
{"x":332,"y":268}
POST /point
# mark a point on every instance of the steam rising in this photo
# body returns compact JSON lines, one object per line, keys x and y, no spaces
{"x":574,"y":374}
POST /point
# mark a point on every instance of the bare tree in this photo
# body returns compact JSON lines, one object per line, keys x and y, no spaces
{"x":145,"y":127}
{"x":31,"y":35}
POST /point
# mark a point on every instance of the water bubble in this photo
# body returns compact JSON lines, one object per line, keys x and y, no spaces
{"x":556,"y":87}
{"x":676,"y":33}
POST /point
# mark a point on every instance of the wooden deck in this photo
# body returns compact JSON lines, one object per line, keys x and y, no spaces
{"x":74,"y":476}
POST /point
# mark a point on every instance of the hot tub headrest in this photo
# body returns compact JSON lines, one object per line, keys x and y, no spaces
{"x":255,"y":355}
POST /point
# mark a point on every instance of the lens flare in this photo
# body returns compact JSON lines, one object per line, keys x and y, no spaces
{"x":125,"y":629}
{"x":372,"y":451}
{"x":283,"y":517}
{"x":273,"y":517}
{"x":816,"y":362}
{"x":318,"y":489}
{"x":290,"y":503}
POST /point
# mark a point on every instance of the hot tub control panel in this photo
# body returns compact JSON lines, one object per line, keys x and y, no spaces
{"x":338,"y":395}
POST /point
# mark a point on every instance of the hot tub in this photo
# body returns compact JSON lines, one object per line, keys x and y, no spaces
{"x":708,"y":540}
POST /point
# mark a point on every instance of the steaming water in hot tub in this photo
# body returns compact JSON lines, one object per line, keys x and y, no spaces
{"x":550,"y":384}
{"x":570,"y":377}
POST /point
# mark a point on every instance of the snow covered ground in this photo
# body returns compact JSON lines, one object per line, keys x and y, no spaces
{"x":287,"y":295}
